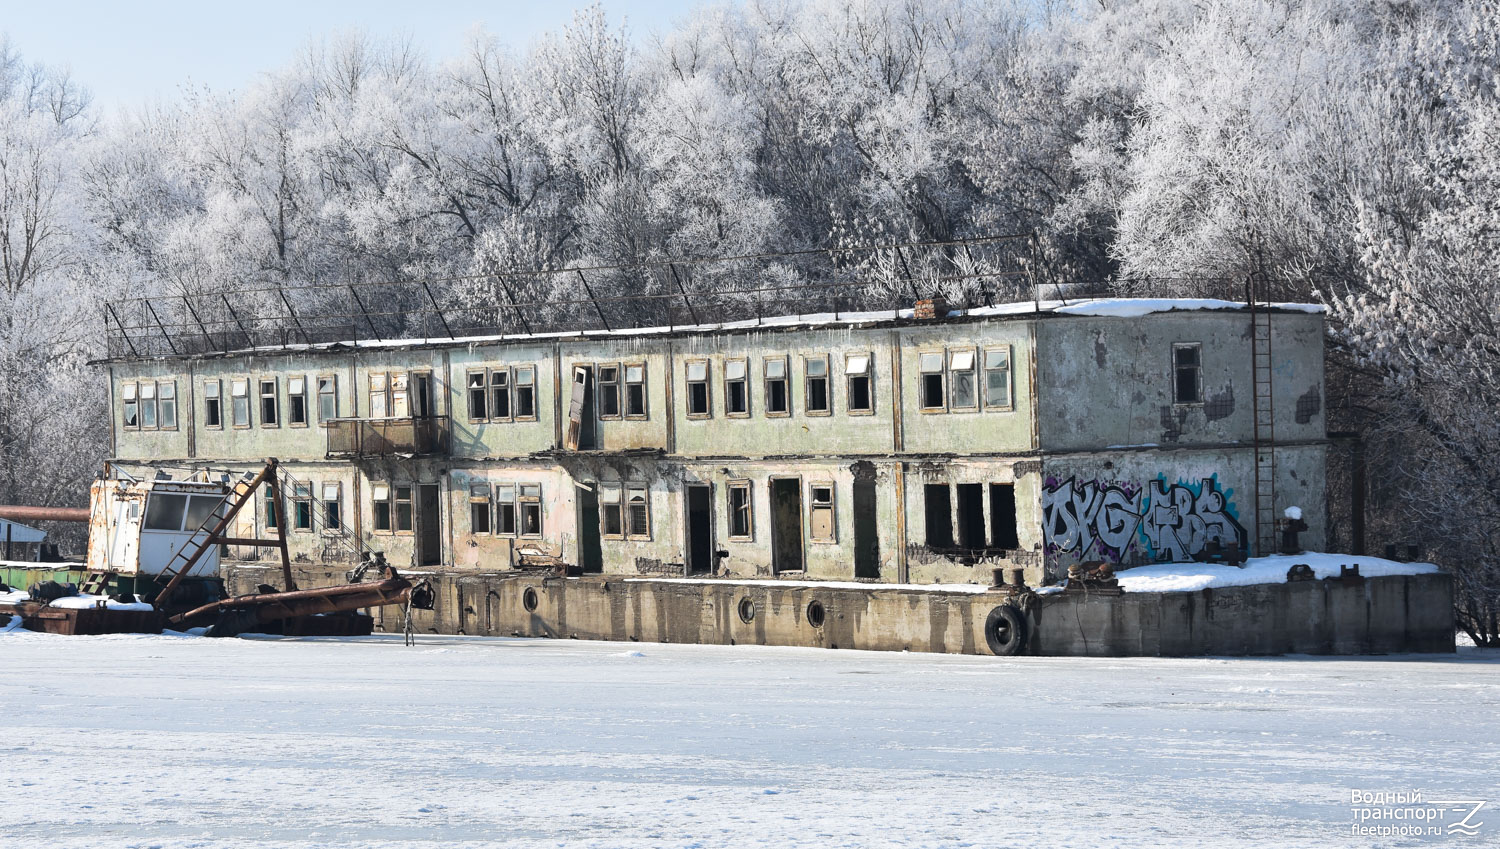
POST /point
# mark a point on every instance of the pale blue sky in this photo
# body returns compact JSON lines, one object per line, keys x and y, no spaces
{"x":131,"y":51}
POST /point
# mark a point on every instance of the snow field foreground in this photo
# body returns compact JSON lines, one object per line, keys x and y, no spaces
{"x":171,"y":741}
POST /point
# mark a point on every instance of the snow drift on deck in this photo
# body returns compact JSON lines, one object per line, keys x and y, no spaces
{"x":1190,"y":577}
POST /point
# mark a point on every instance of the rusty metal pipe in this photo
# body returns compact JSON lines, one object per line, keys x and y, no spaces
{"x":19,"y":513}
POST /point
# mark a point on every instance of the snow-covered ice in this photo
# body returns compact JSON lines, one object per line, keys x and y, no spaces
{"x":171,"y":741}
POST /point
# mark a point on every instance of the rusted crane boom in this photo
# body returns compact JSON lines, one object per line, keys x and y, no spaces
{"x":270,"y":607}
{"x":19,"y":513}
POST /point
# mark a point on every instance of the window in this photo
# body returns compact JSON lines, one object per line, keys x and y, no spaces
{"x":239,"y":401}
{"x":931,"y":389}
{"x":148,"y":406}
{"x":635,"y":391}
{"x":816,"y":369}
{"x":333,"y":514}
{"x":997,"y":378}
{"x":609,"y":392}
{"x":164,"y":511}
{"x":379,"y":396}
{"x":741,"y":525}
{"x":302,"y":507}
{"x":328,"y":398}
{"x":296,"y":401}
{"x":500,"y":393}
{"x":1187,"y":368}
{"x":202,"y":510}
{"x":938,"y":511}
{"x":697,"y":389}
{"x":526,"y":392}
{"x":611,"y":515}
{"x":857,"y":373}
{"x":213,"y":406}
{"x":132,"y":412}
{"x":736,"y":389}
{"x":271,"y":510}
{"x":478,"y":397}
{"x":479,"y":499}
{"x":820,"y":523}
{"x":777,"y":402}
{"x":961,"y":385}
{"x":166,"y":393}
{"x":400,"y":399}
{"x":380,"y":497}
{"x":403,"y":508}
{"x":505,"y":509}
{"x":269,"y":414}
{"x":531,"y":509}
{"x":638,"y":511}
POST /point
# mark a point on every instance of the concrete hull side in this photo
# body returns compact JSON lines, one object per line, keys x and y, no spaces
{"x":1378,"y":615}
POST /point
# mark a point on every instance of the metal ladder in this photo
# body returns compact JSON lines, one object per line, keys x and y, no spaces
{"x":1264,"y":432}
{"x":339,"y":537}
{"x":211,"y":528}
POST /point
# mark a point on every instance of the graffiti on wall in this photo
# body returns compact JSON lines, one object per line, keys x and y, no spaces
{"x":1113,"y":520}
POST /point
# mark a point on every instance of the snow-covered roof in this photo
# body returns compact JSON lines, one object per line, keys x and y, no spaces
{"x":20,"y":533}
{"x":1095,"y":307}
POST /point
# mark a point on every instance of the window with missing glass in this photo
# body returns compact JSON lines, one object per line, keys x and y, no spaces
{"x":333,"y":506}
{"x":505,"y":509}
{"x":499,"y":394}
{"x":296,"y":402}
{"x":997,"y":378}
{"x":380,"y":503}
{"x":860,"y":399}
{"x":130,"y":414}
{"x":778,"y":400}
{"x":607,"y":381}
{"x":526,"y":392}
{"x":741,"y":517}
{"x":611,"y":511}
{"x":270,"y":510}
{"x":302,"y":507}
{"x":697,"y":389}
{"x":962,"y":387}
{"x":479,"y":403}
{"x":479,"y":507}
{"x":1187,"y":373}
{"x":736,"y":389}
{"x":635,"y":391}
{"x":530,"y":502}
{"x":213,"y":407}
{"x":270,"y":410}
{"x":816,"y":374}
{"x":931,"y":394}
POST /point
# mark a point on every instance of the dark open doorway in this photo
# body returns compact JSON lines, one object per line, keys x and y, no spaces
{"x":938,"y":512}
{"x":971,"y":516}
{"x":590,"y":554}
{"x":1003,"y":516}
{"x":429,"y":525}
{"x":700,"y":534}
{"x":786,"y":525}
{"x":866,"y":535}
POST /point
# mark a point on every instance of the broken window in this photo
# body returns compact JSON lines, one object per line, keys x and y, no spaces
{"x":148,"y":405}
{"x":379,"y":396}
{"x":302,"y":507}
{"x":270,"y":415}
{"x":380,"y":497}
{"x":736,"y":389}
{"x":611,"y":512}
{"x":500,"y":393}
{"x":478,"y":397}
{"x":961,"y":385}
{"x":213,"y":407}
{"x":1187,"y":367}
{"x":997,"y":378}
{"x":820,"y":519}
{"x":816,"y":371}
{"x":938,"y":511}
{"x":740,"y":516}
{"x":479,"y":501}
{"x":132,"y":412}
{"x":421,"y":394}
{"x":333,"y":514}
{"x":328,"y":399}
{"x":403,"y":508}
{"x":638,"y":511}
{"x":505,"y":509}
{"x":400,"y":396}
{"x":296,"y":401}
{"x":239,"y":401}
{"x":271,"y":510}
{"x":697,"y":389}
{"x":857,"y":373}
{"x":1003,"y":516}
{"x":531,"y":509}
{"x":526,"y":392}
{"x":777,"y":402}
{"x":609,"y":391}
{"x":971,"y":516}
{"x":635,"y":391}
{"x":931,"y":388}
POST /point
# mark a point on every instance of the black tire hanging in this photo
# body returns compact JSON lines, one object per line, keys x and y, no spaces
{"x":1005,"y":630}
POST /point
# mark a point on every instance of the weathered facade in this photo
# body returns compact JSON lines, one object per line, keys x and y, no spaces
{"x":876,"y":447}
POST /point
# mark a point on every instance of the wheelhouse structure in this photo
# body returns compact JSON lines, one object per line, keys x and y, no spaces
{"x":905,"y":446}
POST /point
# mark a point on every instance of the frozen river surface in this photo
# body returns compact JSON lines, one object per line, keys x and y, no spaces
{"x":190,"y":742}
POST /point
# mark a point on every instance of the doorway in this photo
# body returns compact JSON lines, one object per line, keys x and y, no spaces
{"x":866,"y":538}
{"x":429,"y":525}
{"x":786,"y":525}
{"x":700,"y":533}
{"x":421,"y":395}
{"x":938,"y":513}
{"x":971,"y":516}
{"x":590,"y":553}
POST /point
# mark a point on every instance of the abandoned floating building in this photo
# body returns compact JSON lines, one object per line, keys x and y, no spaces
{"x":897,"y":447}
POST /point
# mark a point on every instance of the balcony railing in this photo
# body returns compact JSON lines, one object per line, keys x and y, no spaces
{"x":348,"y":438}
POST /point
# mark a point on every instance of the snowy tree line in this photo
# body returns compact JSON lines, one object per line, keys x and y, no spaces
{"x":1346,"y":150}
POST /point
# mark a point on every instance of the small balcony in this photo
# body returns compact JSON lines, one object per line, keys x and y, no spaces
{"x":354,"y":438}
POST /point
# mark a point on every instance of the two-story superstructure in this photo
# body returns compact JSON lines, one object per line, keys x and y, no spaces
{"x":877,"y":447}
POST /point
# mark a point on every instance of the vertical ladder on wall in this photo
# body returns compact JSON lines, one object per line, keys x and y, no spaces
{"x":1264,"y":433}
